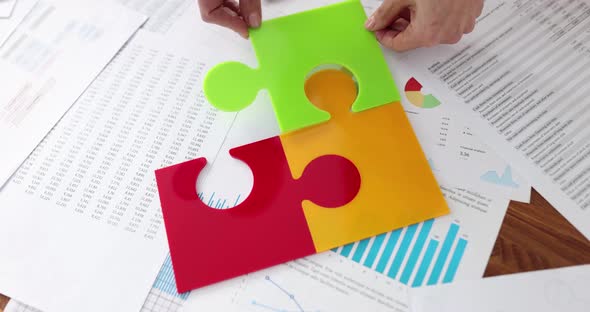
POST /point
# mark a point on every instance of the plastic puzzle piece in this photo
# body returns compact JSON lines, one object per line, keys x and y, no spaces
{"x":209,"y":245}
{"x":398,"y":187}
{"x":289,"y":48}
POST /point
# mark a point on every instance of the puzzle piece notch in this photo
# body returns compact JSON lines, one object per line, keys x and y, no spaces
{"x":288,"y":48}
{"x":336,"y":103}
{"x":268,"y":228}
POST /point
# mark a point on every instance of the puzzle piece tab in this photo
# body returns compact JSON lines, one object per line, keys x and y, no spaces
{"x":289,"y":48}
{"x":398,"y":186}
{"x":209,"y":245}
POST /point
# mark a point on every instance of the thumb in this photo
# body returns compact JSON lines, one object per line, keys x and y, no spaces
{"x":386,"y":14}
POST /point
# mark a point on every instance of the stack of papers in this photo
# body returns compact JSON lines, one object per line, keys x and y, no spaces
{"x":99,"y":94}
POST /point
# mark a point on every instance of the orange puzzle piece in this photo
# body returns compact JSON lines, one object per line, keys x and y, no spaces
{"x":397,"y":188}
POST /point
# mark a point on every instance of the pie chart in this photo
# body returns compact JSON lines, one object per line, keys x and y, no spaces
{"x":417,"y":98}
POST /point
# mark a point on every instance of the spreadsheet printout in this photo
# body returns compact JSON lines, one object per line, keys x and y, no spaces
{"x":85,"y":204}
{"x":48,"y":62}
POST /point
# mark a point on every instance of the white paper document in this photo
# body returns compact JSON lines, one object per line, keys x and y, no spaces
{"x":323,"y":282}
{"x":9,"y":24}
{"x":6,"y":7}
{"x":164,"y":14}
{"x":84,"y":204}
{"x":522,"y":77}
{"x":47,"y":64}
{"x":563,"y":289}
{"x":163,"y":296}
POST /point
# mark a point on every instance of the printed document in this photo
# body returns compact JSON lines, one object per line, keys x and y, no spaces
{"x":9,"y":24}
{"x":453,"y":150}
{"x":47,"y":64}
{"x":84,"y":205}
{"x":323,"y":282}
{"x":562,"y":289}
{"x":522,"y":78}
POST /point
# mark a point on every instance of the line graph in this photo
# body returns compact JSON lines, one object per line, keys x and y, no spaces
{"x":292,"y":299}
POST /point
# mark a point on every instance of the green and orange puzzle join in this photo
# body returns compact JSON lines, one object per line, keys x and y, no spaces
{"x":347,"y":166}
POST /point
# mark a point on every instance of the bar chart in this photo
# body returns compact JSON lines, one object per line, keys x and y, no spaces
{"x":214,"y":201}
{"x":417,"y":255}
{"x":166,"y":281}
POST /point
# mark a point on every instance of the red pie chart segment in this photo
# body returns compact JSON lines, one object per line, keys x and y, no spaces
{"x":413,"y":85}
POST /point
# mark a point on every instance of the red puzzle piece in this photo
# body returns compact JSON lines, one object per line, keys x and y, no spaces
{"x":208,"y":245}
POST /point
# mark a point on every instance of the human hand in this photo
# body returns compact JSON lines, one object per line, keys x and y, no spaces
{"x":231,"y":14}
{"x":403,"y":25}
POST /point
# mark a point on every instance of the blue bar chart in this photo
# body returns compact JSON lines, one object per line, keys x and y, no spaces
{"x":220,"y":203}
{"x":415,"y":255}
{"x":166,"y":281}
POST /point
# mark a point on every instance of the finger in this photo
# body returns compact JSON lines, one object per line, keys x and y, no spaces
{"x":208,"y":6}
{"x":402,"y":41}
{"x":387,"y":13}
{"x":451,"y":32}
{"x":406,"y":14}
{"x":384,"y":36}
{"x":233,"y":5}
{"x":451,"y":38}
{"x":226,"y":17}
{"x":477,"y":10}
{"x":400,"y":25}
{"x":445,"y":36}
{"x":469,"y":27}
{"x":251,"y":11}
{"x":478,"y":7}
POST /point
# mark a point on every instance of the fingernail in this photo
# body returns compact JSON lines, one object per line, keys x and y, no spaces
{"x":370,"y":23}
{"x":254,"y":20}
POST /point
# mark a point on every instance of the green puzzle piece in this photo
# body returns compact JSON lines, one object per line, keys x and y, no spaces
{"x":289,"y":48}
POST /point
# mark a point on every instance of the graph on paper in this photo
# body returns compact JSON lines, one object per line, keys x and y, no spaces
{"x":290,"y":301}
{"x":166,"y":281}
{"x":421,"y":254}
{"x":220,"y":203}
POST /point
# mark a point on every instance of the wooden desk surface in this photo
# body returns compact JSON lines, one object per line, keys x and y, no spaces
{"x":533,"y":237}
